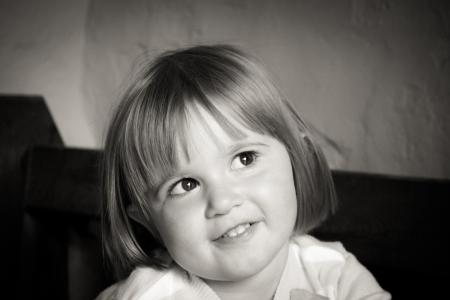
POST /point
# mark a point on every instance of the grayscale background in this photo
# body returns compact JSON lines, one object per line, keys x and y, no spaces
{"x":371,"y":76}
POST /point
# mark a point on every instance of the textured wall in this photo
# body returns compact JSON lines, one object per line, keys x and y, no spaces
{"x":41,"y":44}
{"x":372,"y":76}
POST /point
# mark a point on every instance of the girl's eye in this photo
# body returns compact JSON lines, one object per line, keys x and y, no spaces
{"x":183,"y":186}
{"x":243,"y":160}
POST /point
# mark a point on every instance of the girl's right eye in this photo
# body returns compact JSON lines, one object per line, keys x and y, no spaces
{"x":183,"y":186}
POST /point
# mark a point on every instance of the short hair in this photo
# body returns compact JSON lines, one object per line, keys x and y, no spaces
{"x":141,"y":143}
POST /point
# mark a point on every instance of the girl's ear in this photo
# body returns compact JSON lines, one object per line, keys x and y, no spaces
{"x":135,"y":213}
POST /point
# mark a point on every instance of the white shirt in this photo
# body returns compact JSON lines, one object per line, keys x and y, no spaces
{"x":314,"y":270}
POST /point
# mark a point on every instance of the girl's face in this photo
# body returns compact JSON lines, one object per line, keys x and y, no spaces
{"x":229,"y":210}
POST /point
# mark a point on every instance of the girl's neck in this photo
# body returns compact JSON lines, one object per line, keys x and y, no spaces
{"x":261,"y":286}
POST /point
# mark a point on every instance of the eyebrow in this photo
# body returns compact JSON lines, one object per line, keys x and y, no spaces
{"x":243,"y":144}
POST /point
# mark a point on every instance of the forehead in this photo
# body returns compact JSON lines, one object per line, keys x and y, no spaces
{"x":205,"y":130}
{"x":191,"y":121}
{"x":177,"y":136}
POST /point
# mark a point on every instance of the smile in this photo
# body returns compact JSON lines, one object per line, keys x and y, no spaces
{"x":240,"y":232}
{"x":236,"y":231}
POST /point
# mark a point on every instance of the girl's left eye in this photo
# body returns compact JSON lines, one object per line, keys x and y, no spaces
{"x":243,"y":159}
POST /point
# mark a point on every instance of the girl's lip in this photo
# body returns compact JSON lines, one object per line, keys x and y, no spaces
{"x":244,"y":236}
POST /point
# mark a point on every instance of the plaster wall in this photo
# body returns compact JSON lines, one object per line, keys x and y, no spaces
{"x":371,"y":76}
{"x":41,"y":45}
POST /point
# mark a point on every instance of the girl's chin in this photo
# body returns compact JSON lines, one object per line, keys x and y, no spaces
{"x":226,"y":279}
{"x":251,"y":264}
{"x":236,"y":272}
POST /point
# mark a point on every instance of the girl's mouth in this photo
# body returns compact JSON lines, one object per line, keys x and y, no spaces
{"x":236,"y":231}
{"x":239,"y":232}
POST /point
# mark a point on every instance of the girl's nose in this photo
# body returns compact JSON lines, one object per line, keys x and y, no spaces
{"x":221,"y":200}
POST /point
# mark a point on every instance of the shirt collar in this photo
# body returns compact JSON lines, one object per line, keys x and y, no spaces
{"x":294,"y":284}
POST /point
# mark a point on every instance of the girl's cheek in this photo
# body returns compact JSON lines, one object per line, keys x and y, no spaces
{"x":180,"y":212}
{"x":263,"y":179}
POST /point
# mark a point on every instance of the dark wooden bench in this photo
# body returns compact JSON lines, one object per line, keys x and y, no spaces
{"x":25,"y":121}
{"x":396,"y":226}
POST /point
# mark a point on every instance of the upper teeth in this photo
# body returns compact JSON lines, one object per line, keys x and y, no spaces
{"x":237,"y":230}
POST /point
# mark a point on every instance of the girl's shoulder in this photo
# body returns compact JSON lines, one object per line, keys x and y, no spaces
{"x":330,"y":268}
{"x":146,"y":283}
{"x":312,"y":249}
{"x":134,"y":286}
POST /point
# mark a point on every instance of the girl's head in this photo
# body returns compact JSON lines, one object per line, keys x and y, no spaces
{"x":205,"y":160}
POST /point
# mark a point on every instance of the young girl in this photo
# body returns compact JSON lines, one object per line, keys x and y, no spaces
{"x":212,"y":183}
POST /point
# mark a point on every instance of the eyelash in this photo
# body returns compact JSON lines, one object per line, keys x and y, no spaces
{"x":254,"y":155}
